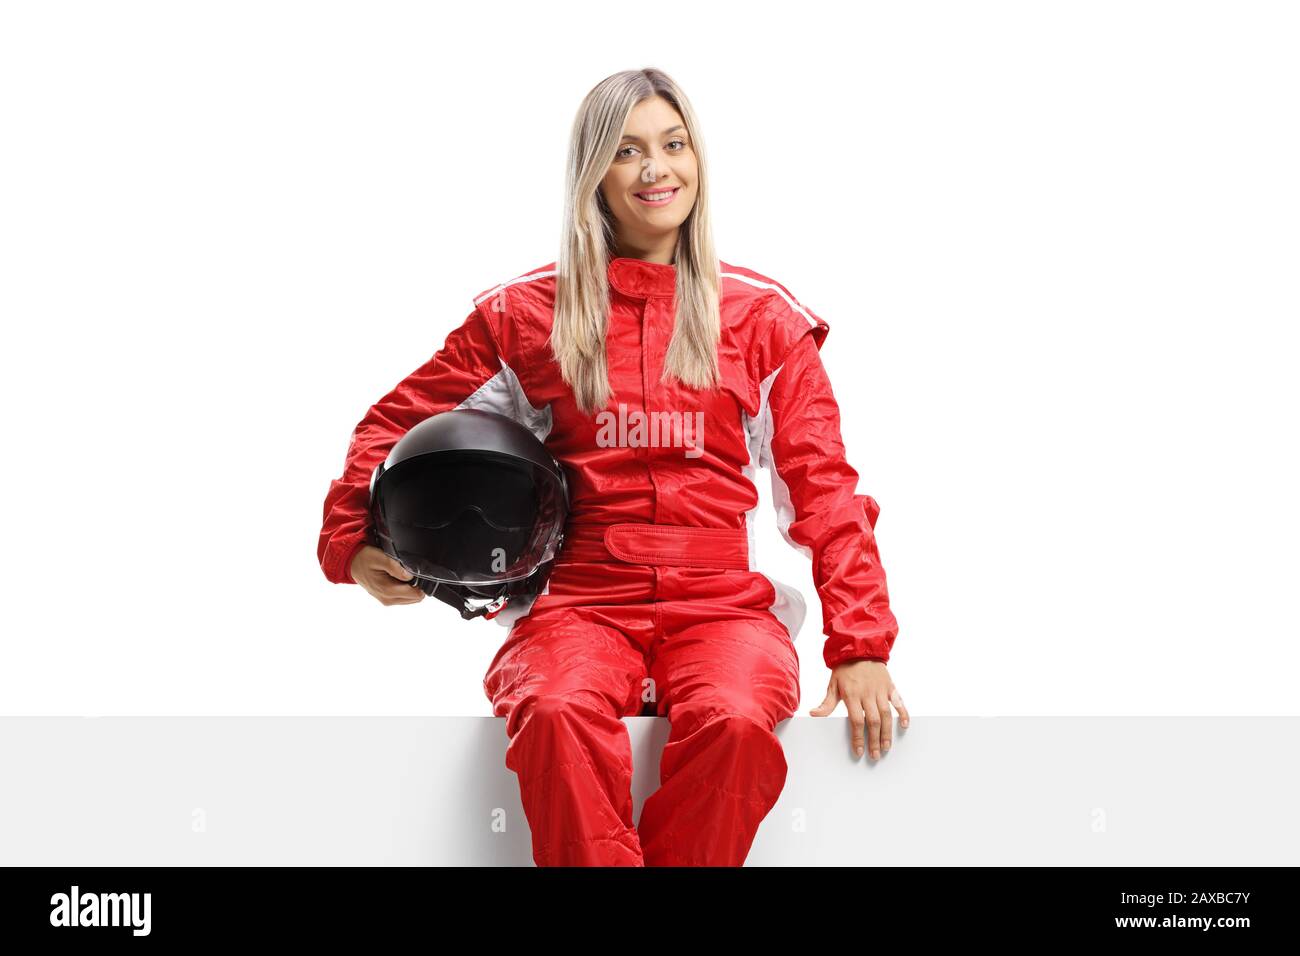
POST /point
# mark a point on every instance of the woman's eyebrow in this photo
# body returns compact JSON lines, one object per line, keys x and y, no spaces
{"x":664,"y":133}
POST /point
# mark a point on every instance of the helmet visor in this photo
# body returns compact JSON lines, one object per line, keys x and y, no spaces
{"x":470,"y":518}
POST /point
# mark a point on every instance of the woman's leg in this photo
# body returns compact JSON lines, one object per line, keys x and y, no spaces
{"x":725,"y":685}
{"x":563,"y":682}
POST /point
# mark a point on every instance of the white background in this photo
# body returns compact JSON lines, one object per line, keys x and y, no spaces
{"x":1056,"y":244}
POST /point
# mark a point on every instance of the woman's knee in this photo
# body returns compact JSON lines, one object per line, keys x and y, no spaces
{"x":576,"y":706}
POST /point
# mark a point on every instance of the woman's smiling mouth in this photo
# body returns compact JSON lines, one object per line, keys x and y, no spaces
{"x":656,"y":197}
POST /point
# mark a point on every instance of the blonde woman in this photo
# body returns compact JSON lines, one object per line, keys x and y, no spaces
{"x":661,"y":379}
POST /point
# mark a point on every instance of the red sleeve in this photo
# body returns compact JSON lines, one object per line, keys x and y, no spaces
{"x":814,"y":488}
{"x":468,"y":361}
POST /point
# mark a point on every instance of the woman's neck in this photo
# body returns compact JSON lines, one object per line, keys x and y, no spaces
{"x":664,"y":252}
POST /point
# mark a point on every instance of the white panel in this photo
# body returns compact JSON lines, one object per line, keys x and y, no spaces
{"x":416,"y":791}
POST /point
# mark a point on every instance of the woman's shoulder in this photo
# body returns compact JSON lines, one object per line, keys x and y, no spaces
{"x":775,"y":318}
{"x":518,"y":312}
{"x":524,"y":291}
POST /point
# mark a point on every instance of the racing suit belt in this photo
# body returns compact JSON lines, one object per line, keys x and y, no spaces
{"x":656,"y":544}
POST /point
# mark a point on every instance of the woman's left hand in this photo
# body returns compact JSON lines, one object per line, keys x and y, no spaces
{"x":867,"y":691}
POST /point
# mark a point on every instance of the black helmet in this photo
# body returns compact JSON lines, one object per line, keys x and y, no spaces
{"x":473,"y":505}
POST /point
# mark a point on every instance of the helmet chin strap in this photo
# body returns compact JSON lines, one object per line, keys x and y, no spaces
{"x":491,"y":608}
{"x":469,"y":608}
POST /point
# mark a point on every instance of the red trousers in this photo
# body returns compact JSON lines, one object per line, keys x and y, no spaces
{"x":647,"y":619}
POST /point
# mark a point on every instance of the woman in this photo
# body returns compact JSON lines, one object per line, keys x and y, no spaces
{"x":661,"y":379}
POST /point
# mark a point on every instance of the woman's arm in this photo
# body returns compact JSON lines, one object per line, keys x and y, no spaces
{"x":467,"y":369}
{"x":814,"y":489}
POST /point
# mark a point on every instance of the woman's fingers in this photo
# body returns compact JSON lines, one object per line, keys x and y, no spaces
{"x":896,"y":699}
{"x":873,"y":721}
{"x":886,"y":724}
{"x":391,"y":599}
{"x":856,"y":716}
{"x":403,"y":593}
{"x":389,"y":590}
{"x":398,"y":585}
{"x":828,"y":704}
{"x":873,"y":728}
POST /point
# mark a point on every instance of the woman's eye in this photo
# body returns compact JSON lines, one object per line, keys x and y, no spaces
{"x":624,"y":151}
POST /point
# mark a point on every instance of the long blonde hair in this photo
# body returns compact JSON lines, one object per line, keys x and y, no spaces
{"x":582,"y":286}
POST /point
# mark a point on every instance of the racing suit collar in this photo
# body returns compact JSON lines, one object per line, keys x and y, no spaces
{"x":641,"y":279}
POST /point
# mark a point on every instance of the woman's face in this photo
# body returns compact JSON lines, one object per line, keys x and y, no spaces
{"x":654,"y":157}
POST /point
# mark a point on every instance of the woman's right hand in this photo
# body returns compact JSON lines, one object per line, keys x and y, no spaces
{"x":384,"y":577}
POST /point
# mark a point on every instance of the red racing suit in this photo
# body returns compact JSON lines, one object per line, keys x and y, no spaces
{"x":655,"y":603}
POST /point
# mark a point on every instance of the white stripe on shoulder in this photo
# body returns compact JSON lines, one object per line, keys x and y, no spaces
{"x":525,"y":278}
{"x":776,"y":288}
